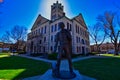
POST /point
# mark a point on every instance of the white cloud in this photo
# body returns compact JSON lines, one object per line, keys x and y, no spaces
{"x":45,"y":7}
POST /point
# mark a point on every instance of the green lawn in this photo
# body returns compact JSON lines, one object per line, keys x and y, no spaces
{"x":111,"y":55}
{"x":13,"y":67}
{"x":100,"y":68}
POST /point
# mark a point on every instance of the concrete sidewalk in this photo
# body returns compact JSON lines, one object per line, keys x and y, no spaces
{"x":64,"y":66}
{"x":51,"y":61}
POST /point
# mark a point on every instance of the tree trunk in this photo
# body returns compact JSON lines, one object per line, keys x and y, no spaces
{"x":116,"y":49}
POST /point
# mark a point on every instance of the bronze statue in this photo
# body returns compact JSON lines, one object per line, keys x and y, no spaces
{"x":64,"y":39}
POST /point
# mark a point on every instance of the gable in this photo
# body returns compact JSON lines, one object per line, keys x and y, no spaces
{"x":80,"y":19}
{"x":40,"y":20}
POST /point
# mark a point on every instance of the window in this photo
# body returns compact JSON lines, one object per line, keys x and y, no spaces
{"x":86,"y":42}
{"x":42,"y":30}
{"x":51,"y":48}
{"x":45,"y":29}
{"x":36,"y":32}
{"x":55,"y":27}
{"x":58,"y":28}
{"x":51,"y":38}
{"x":54,"y":38}
{"x":40,"y":41}
{"x":52,"y":28}
{"x":44,"y":39}
{"x":83,"y":41}
{"x":79,"y":39}
{"x":67,"y":26}
{"x":77,"y":49}
{"x":61,"y":8}
{"x":39,"y":30}
{"x":70,"y":27}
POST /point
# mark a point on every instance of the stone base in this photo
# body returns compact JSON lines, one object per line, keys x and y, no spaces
{"x":65,"y":75}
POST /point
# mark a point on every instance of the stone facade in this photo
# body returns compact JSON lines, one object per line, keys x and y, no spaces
{"x":42,"y":35}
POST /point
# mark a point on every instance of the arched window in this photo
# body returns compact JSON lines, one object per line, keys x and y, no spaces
{"x":67,"y":26}
{"x":45,"y":29}
{"x":83,"y":41}
{"x":52,"y":38}
{"x":55,"y":27}
{"x":70,"y":27}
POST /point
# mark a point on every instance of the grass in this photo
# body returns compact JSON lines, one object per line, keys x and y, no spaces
{"x":13,"y":67}
{"x":100,"y":68}
{"x":111,"y":55}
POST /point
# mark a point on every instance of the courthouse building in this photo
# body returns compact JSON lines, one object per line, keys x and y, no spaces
{"x":42,"y":35}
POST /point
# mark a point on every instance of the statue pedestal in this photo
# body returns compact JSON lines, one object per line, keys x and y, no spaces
{"x":64,"y":71}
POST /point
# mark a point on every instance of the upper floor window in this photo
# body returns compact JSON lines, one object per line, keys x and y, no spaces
{"x":83,"y":42}
{"x":44,"y":39}
{"x":40,"y":41}
{"x":39,"y":30}
{"x":51,"y":38}
{"x":52,"y":28}
{"x":42,"y":30}
{"x":79,"y":39}
{"x":58,"y":27}
{"x":55,"y":27}
{"x":51,"y":48}
{"x":67,"y":26}
{"x":70,"y":27}
{"x":45,"y":29}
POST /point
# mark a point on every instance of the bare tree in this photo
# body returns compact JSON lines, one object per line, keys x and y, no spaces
{"x":111,"y":24}
{"x":98,"y":35}
{"x":16,"y":35}
{"x":5,"y":38}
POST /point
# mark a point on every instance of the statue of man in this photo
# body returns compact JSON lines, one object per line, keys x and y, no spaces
{"x":63,"y":38}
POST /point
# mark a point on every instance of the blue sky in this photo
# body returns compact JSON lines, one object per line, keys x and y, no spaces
{"x":24,"y":12}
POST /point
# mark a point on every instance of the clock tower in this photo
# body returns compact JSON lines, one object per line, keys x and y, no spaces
{"x":57,"y":11}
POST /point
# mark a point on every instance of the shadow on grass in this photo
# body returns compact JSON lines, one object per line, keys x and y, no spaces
{"x":14,"y":67}
{"x":100,"y":68}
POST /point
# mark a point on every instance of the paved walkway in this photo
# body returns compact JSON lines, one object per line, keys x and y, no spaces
{"x":64,"y":66}
{"x":51,"y":61}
